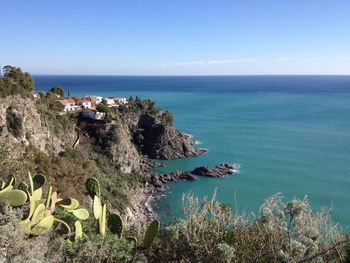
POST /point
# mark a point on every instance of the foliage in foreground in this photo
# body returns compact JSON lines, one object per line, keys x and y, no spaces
{"x":283,"y":232}
{"x":209,"y":232}
{"x":25,"y":215}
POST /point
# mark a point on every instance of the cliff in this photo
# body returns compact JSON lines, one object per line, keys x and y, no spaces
{"x":163,"y":141}
{"x":22,"y":123}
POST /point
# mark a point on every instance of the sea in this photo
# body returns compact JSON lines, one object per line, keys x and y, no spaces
{"x":288,"y":134}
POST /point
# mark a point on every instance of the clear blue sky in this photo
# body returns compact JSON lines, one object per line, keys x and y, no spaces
{"x":176,"y":36}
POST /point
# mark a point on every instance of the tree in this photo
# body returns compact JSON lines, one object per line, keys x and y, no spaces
{"x":57,"y":90}
{"x":103,"y":108}
{"x":15,"y":76}
{"x":167,"y":118}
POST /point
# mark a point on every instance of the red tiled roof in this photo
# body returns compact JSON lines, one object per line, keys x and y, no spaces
{"x":67,"y":102}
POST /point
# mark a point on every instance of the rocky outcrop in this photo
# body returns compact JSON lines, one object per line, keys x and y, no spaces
{"x":32,"y":128}
{"x":159,"y":181}
{"x":115,"y":141}
{"x":218,"y":171}
{"x":163,"y":141}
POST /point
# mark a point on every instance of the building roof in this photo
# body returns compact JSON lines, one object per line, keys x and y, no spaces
{"x":67,"y":102}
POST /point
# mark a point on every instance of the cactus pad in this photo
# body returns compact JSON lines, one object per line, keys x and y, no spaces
{"x":92,"y":187}
{"x":68,"y":203}
{"x":97,"y":207}
{"x":102,"y":221}
{"x":38,"y":214}
{"x":81,"y":213}
{"x":115,"y":224}
{"x":151,"y":233}
{"x":10,"y":180}
{"x":23,"y":186}
{"x":13,"y":197}
{"x":78,"y":230}
{"x":44,"y":226}
{"x":48,"y":198}
{"x":38,"y":181}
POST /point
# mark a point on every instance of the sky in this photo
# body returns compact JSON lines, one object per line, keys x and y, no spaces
{"x":176,"y":37}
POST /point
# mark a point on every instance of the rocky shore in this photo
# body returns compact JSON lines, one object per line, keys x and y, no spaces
{"x":159,"y":181}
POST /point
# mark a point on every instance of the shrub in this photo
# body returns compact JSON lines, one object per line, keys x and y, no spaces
{"x":57,"y":90}
{"x":14,"y":123}
{"x":281,"y":233}
{"x":110,"y":248}
{"x":167,"y":118}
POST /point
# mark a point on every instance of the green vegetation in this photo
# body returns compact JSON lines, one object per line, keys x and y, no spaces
{"x":54,"y":215}
{"x":209,"y":232}
{"x":57,"y":90}
{"x":14,"y":122}
{"x":167,"y":118}
{"x":14,"y":82}
{"x":102,"y":107}
{"x":282,"y":232}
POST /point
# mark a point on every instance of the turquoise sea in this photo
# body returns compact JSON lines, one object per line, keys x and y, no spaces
{"x":289,"y":134}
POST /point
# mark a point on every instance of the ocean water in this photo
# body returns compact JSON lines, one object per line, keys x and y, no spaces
{"x":289,"y":134}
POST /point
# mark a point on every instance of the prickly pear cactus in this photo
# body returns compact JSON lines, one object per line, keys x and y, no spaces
{"x":38,"y":181}
{"x":102,"y":221}
{"x":78,"y":230}
{"x":10,"y":180}
{"x":13,"y":197}
{"x":115,"y":224}
{"x":43,"y":227}
{"x":151,"y":233}
{"x":81,"y":213}
{"x":97,"y":207}
{"x":68,"y":204}
{"x":92,"y":187}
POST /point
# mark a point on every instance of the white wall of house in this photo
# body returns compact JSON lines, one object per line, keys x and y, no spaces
{"x":92,"y":114}
{"x":109,"y":102}
{"x":86,"y":104}
{"x":68,"y":108}
{"x":121,"y":100}
{"x":98,"y":100}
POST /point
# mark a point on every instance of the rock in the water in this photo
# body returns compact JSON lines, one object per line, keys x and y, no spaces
{"x":178,"y":176}
{"x":219,"y":170}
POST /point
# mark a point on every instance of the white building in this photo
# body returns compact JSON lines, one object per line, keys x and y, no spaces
{"x":120,"y":100}
{"x":93,"y":114}
{"x":68,"y":105}
{"x":86,"y":104}
{"x":94,"y":99}
{"x":109,"y":102}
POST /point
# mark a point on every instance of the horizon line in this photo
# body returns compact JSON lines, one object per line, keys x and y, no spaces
{"x":187,"y":75}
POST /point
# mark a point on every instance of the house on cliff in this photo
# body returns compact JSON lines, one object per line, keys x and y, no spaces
{"x":86,"y":104}
{"x":95,"y":100}
{"x":68,"y":105}
{"x":109,"y":102}
{"x":93,"y":114}
{"x":120,"y":100}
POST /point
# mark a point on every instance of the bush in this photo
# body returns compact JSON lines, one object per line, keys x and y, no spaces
{"x":99,"y":249}
{"x":167,"y":118}
{"x":57,"y":90}
{"x":14,"y":123}
{"x":15,"y":82}
{"x":281,"y":233}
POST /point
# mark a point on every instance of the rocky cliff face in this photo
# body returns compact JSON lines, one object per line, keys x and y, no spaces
{"x":20,"y":122}
{"x":165,"y":142}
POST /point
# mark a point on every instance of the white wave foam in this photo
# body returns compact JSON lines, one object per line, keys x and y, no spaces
{"x":237,"y":168}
